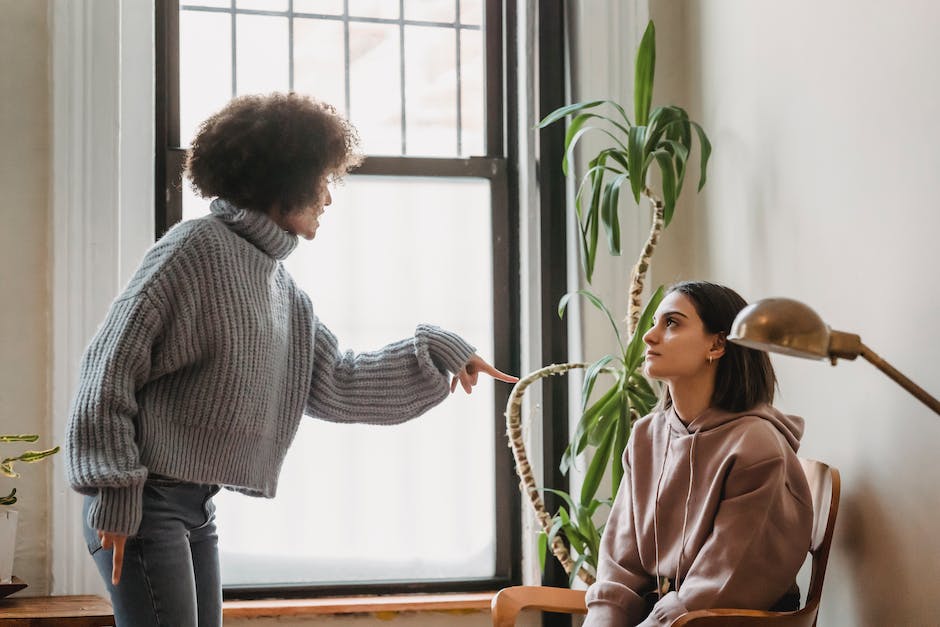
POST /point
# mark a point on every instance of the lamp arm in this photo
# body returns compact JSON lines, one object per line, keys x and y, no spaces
{"x":900,"y":379}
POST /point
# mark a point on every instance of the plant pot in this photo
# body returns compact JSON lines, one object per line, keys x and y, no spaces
{"x":7,"y":543}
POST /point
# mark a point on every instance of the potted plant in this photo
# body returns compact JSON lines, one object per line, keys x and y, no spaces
{"x":9,"y":516}
{"x":660,"y":136}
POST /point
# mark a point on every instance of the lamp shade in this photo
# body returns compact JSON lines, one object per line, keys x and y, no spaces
{"x":782,"y":325}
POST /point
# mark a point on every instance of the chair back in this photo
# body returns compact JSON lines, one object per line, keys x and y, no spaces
{"x":825,"y":487}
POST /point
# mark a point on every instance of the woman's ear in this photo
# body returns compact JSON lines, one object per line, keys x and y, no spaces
{"x":718,"y":346}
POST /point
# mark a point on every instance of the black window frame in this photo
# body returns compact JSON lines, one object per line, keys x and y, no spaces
{"x":499,"y":166}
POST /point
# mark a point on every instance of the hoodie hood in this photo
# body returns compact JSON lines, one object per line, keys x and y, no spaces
{"x":791,"y":427}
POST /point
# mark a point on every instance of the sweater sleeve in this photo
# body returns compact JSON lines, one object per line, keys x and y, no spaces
{"x":615,"y":599}
{"x":396,"y":383}
{"x":749,"y":560}
{"x":102,"y":454}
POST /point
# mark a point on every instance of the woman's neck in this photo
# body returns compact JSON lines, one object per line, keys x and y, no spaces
{"x":692,"y":397}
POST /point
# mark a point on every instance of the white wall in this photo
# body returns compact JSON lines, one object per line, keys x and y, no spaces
{"x":24,"y":271}
{"x":823,"y":187}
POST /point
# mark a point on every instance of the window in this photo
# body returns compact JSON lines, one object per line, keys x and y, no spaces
{"x":420,"y":232}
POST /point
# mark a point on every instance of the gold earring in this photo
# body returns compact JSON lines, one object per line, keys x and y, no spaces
{"x":710,"y":359}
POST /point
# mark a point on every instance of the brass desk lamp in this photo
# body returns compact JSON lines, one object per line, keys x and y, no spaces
{"x":783,"y":325}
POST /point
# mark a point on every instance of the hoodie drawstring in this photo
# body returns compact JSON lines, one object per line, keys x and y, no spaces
{"x":688,"y":499}
{"x":662,"y":472}
{"x":685,"y":517}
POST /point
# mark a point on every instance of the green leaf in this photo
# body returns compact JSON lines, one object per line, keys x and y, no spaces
{"x":623,"y":113}
{"x":706,"y":153}
{"x":608,"y":413}
{"x":6,"y":468}
{"x":640,"y":399}
{"x":610,"y":215}
{"x":542,"y":550}
{"x":586,"y":525}
{"x":592,"y":478}
{"x":33,"y":456}
{"x":575,"y":132}
{"x":590,"y":377}
{"x":573,"y":576}
{"x":643,"y":387}
{"x":681,"y":154}
{"x":563,"y":516}
{"x":564,"y":495}
{"x":661,"y":120}
{"x":9,"y":499}
{"x":19,"y":438}
{"x":586,"y":426}
{"x":572,"y":136}
{"x":577,"y":541}
{"x":621,"y":436}
{"x":636,"y":157}
{"x":561,"y":112}
{"x":644,"y":74}
{"x":598,"y":303}
{"x":557,"y":523}
{"x":664,"y":159}
{"x":636,"y":347}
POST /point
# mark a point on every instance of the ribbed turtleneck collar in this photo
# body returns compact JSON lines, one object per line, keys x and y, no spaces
{"x":255,"y":227}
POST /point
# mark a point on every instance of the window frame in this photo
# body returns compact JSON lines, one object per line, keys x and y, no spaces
{"x":496,"y":165}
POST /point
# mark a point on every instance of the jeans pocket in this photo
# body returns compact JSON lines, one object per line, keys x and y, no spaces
{"x":163,"y":482}
{"x":93,"y":545}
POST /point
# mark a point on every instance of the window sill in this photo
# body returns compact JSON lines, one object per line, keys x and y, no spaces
{"x":385,"y":606}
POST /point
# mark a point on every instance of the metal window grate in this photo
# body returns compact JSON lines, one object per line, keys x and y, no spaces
{"x":346,"y":18}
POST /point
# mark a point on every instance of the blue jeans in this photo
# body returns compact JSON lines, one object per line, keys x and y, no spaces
{"x":171,"y":567}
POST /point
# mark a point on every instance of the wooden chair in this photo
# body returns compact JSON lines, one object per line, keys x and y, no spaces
{"x":823,"y":484}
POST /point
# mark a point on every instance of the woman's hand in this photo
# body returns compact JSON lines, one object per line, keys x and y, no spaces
{"x":114,"y":541}
{"x":467,"y":377}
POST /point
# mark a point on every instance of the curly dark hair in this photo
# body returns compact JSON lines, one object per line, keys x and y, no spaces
{"x":262,"y":151}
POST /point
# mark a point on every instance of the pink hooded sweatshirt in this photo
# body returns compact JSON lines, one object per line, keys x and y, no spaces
{"x":728,"y":488}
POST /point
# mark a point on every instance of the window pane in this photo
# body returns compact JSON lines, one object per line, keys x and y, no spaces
{"x":374,"y":8}
{"x":262,"y":5}
{"x":471,"y":12}
{"x":375,"y":87}
{"x":320,"y":7}
{"x":218,"y":4}
{"x":431,"y":91}
{"x":413,"y":501}
{"x":205,"y":67}
{"x":261,"y":64}
{"x":318,"y":60}
{"x":430,"y":10}
{"x":472,"y":93}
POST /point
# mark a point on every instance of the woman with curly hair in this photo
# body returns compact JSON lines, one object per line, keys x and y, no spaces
{"x":199,"y":375}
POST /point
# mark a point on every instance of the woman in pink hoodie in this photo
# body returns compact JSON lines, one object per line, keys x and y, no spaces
{"x":714,"y":509}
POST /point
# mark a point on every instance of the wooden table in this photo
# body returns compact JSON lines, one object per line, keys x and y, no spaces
{"x":61,"y":611}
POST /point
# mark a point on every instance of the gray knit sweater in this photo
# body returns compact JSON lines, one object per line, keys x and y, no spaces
{"x":205,"y":364}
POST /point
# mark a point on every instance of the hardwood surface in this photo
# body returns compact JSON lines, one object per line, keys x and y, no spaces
{"x":59,"y":611}
{"x":385,"y":605}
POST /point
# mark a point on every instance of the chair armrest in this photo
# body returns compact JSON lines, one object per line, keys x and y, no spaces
{"x":743,"y":618}
{"x":508,"y":602}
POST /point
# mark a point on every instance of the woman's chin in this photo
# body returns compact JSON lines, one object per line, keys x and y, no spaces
{"x":650,"y":371}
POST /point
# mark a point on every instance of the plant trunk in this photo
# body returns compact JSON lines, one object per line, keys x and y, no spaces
{"x":638,"y":275}
{"x":524,"y":470}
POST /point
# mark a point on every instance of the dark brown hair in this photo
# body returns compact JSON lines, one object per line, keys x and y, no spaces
{"x":745,"y":377}
{"x":262,"y":151}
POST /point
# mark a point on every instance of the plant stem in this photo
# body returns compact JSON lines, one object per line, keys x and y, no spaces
{"x":638,"y":274}
{"x":524,"y":469}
